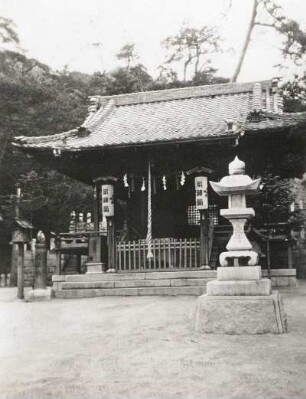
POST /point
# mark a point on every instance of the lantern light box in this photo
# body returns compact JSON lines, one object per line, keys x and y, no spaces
{"x":108,"y":200}
{"x":201,"y":192}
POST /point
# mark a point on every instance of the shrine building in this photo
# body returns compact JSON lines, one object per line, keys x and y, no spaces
{"x":150,"y":157}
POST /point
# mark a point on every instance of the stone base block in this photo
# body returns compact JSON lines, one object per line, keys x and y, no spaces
{"x":241,"y":314}
{"x":94,"y":268}
{"x":244,"y":288}
{"x":239,"y":273}
{"x":41,"y":294}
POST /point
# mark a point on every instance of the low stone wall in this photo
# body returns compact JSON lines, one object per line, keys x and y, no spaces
{"x":282,"y":277}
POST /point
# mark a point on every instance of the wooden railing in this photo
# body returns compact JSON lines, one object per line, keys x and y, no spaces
{"x":168,"y":253}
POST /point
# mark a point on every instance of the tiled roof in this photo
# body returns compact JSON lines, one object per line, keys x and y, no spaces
{"x":175,"y":115}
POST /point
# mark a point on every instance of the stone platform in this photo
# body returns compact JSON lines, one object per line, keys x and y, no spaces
{"x":163,"y":283}
{"x":241,"y":314}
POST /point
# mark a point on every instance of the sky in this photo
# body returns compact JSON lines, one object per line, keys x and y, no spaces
{"x":63,"y":32}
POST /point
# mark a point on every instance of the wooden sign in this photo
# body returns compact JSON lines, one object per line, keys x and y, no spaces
{"x":108,"y":200}
{"x":201,"y":192}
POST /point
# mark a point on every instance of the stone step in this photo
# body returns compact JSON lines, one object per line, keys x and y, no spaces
{"x":143,"y":291}
{"x":133,"y":284}
{"x":190,"y":274}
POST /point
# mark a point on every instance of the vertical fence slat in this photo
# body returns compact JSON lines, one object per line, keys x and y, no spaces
{"x":139,"y":254}
{"x":130,"y":254}
{"x":164,"y":254}
{"x":134,"y":256}
{"x":174,"y":251}
{"x":119,"y":255}
{"x":154,"y":253}
{"x":144,"y":253}
{"x":124,"y":257}
{"x":159,"y":255}
{"x":180,"y":254}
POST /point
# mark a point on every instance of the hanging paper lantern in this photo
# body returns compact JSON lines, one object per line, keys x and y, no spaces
{"x":125,"y":180}
{"x":164,"y":182}
{"x":143,"y":187}
{"x":183,"y":178}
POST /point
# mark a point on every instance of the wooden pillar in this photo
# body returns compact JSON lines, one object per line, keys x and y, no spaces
{"x":204,"y":241}
{"x":96,"y":207}
{"x":201,"y":199}
{"x":111,"y":242}
{"x":14,"y":261}
{"x":20,"y":270}
{"x":290,"y":258}
{"x":108,"y":209}
{"x":268,"y":258}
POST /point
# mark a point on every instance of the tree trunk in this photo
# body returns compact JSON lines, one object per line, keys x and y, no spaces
{"x":246,"y":41}
{"x":185,"y":68}
{"x":196,"y":66}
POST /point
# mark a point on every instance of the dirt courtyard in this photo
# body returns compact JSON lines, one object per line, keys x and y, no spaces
{"x":143,"y":347}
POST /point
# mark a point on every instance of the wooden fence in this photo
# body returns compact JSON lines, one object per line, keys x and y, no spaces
{"x":168,"y":253}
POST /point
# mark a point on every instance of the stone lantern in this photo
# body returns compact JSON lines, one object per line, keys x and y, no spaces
{"x":240,"y":301}
{"x":236,"y":186}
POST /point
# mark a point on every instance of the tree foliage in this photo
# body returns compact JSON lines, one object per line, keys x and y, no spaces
{"x":128,"y":54}
{"x":268,"y":14}
{"x":193,"y":48}
{"x":8,"y":33}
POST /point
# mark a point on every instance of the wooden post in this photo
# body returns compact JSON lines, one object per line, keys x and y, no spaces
{"x":20,"y":267}
{"x":204,"y":242}
{"x":15,"y":247}
{"x":108,"y":205}
{"x":268,"y":258}
{"x":96,"y":203}
{"x":201,"y":199}
{"x":290,"y":259}
{"x":94,"y":244}
{"x":14,"y":261}
{"x":111,"y":241}
{"x":40,"y":262}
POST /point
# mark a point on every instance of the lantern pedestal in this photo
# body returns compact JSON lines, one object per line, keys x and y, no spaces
{"x":237,"y":314}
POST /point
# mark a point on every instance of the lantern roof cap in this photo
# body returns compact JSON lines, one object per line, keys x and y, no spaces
{"x":236,"y":167}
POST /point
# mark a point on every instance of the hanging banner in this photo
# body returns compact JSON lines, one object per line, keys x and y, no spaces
{"x":108,"y":200}
{"x":201,"y":192}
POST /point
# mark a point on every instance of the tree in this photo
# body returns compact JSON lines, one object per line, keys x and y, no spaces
{"x":192,"y":47}
{"x":124,"y":80}
{"x":266,"y":13}
{"x":7,"y":31}
{"x":294,"y":92}
{"x":127,"y":54}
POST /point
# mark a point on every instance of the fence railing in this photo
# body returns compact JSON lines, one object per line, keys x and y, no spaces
{"x":168,"y":253}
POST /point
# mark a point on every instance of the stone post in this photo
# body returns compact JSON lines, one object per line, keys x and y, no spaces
{"x":40,"y":281}
{"x":20,"y":271}
{"x":40,"y":292}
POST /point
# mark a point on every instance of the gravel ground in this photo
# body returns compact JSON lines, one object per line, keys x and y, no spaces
{"x":143,"y":347}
